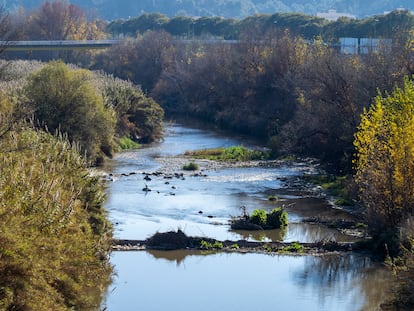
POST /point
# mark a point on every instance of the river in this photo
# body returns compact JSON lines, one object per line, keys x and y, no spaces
{"x":202,"y":206}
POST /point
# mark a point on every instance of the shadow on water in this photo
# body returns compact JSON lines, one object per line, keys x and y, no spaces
{"x":176,"y":256}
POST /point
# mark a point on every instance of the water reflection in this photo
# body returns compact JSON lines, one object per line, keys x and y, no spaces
{"x":338,"y":273}
{"x":184,"y":280}
{"x":176,"y":256}
{"x":302,"y":232}
{"x":262,"y":236}
{"x":309,"y":233}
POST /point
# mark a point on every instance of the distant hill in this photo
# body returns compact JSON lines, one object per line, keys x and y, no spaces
{"x":112,"y":9}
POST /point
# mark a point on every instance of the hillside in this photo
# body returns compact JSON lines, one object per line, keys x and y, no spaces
{"x":109,"y":9}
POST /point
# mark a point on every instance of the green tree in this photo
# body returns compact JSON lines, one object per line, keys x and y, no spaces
{"x":180,"y":26}
{"x":65,"y":100}
{"x":384,"y":162}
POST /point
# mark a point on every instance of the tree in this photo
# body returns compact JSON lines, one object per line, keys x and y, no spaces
{"x":180,"y":26}
{"x":329,"y":94}
{"x":58,"y":20}
{"x":140,"y":61}
{"x":384,"y":162}
{"x":66,"y":100}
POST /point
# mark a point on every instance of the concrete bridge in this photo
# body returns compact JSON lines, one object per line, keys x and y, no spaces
{"x":347,"y":45}
{"x":47,"y":45}
{"x":44,"y":45}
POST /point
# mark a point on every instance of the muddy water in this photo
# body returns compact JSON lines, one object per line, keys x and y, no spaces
{"x":202,"y":206}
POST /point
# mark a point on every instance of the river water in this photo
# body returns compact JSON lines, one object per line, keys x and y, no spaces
{"x":202,"y":206}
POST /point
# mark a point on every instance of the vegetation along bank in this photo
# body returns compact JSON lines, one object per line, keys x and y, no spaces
{"x":354,"y":112}
{"x":55,"y":121}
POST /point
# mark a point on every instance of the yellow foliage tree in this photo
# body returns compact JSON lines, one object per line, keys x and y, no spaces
{"x":384,"y":161}
{"x":60,"y":20}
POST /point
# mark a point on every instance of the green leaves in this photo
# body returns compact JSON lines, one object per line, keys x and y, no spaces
{"x":65,"y":100}
{"x":138,"y":117}
{"x":259,"y":217}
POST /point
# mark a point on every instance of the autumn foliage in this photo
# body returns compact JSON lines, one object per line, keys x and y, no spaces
{"x":384,"y":165}
{"x":54,"y":236}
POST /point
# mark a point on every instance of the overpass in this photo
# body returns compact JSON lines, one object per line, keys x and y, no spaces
{"x":47,"y":45}
{"x":44,"y":45}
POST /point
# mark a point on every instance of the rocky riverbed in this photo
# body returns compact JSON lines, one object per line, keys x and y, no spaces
{"x":171,"y":168}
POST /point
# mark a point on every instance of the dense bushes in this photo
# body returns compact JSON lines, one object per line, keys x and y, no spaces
{"x":384,"y":168}
{"x":192,"y":166}
{"x":65,"y":100}
{"x":54,"y":236}
{"x":277,"y":218}
{"x":260,"y":220}
{"x":95,"y":110}
{"x":139,"y":117}
{"x":259,"y":217}
{"x":303,"y":97}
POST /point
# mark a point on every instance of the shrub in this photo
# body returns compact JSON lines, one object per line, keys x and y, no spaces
{"x":277,"y":218}
{"x":138,"y":116}
{"x":209,"y":246}
{"x":233,"y":153}
{"x":268,"y":248}
{"x":192,"y":166}
{"x":55,"y":236}
{"x":294,"y":247}
{"x":127,"y":143}
{"x":259,"y":217}
{"x":64,"y":99}
{"x":217,"y":245}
